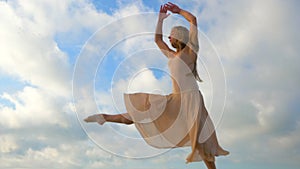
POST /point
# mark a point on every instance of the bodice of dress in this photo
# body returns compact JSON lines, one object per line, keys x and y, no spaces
{"x":182,"y":76}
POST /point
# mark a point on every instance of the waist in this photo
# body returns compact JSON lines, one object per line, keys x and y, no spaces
{"x":184,"y":87}
{"x":178,"y":91}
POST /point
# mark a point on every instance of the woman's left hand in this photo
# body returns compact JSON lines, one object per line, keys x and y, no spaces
{"x":172,"y":7}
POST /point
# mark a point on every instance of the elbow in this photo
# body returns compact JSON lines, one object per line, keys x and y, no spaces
{"x":193,"y":20}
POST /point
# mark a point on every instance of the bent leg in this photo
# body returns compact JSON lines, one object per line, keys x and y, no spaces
{"x":115,"y":118}
{"x":210,"y":164}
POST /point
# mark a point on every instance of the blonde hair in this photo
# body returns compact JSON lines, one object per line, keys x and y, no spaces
{"x":181,"y":33}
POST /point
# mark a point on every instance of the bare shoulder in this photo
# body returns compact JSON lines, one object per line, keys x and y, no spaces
{"x":171,"y":54}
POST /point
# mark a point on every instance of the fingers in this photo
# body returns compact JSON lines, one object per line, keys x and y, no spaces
{"x":169,"y":7}
{"x":171,"y":4}
{"x":162,"y":9}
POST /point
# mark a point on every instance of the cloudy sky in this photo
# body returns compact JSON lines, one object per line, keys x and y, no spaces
{"x":63,"y":60}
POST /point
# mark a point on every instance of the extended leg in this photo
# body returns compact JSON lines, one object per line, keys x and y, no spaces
{"x":118,"y":118}
{"x":115,"y":118}
{"x":210,"y":164}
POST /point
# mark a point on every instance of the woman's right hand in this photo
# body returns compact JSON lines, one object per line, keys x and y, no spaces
{"x":163,"y":13}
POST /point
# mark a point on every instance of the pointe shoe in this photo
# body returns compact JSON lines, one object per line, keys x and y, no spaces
{"x":96,"y":118}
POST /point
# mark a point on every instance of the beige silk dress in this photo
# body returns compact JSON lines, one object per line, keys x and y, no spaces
{"x":178,"y":119}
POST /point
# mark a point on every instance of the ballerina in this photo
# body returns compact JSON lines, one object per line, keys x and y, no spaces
{"x":178,"y":119}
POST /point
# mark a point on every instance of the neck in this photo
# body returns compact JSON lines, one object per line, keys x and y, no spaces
{"x":179,"y":49}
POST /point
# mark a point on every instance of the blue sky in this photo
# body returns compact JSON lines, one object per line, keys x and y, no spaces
{"x":102,"y":48}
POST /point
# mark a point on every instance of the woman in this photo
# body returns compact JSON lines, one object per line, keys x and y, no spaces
{"x":180,"y":118}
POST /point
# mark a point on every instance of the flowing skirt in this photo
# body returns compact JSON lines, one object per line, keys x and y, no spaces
{"x":175,"y":120}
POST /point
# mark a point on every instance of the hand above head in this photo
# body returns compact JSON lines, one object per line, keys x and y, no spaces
{"x":163,"y":13}
{"x":172,"y":7}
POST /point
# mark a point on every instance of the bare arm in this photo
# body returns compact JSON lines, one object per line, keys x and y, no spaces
{"x":193,"y":35}
{"x":158,"y":33}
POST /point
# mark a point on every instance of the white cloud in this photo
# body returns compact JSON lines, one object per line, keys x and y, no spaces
{"x":32,"y":106}
{"x":28,"y":47}
{"x":258,"y":43}
{"x":30,"y":56}
{"x":145,"y":81}
{"x":63,"y":155}
{"x":7,"y":144}
{"x":40,"y":118}
{"x":128,"y":10}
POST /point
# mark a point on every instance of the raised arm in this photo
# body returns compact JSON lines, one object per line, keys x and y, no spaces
{"x":158,"y":33}
{"x":193,"y":35}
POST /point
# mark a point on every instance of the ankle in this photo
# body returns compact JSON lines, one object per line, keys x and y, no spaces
{"x":104,"y":116}
{"x":127,"y":121}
